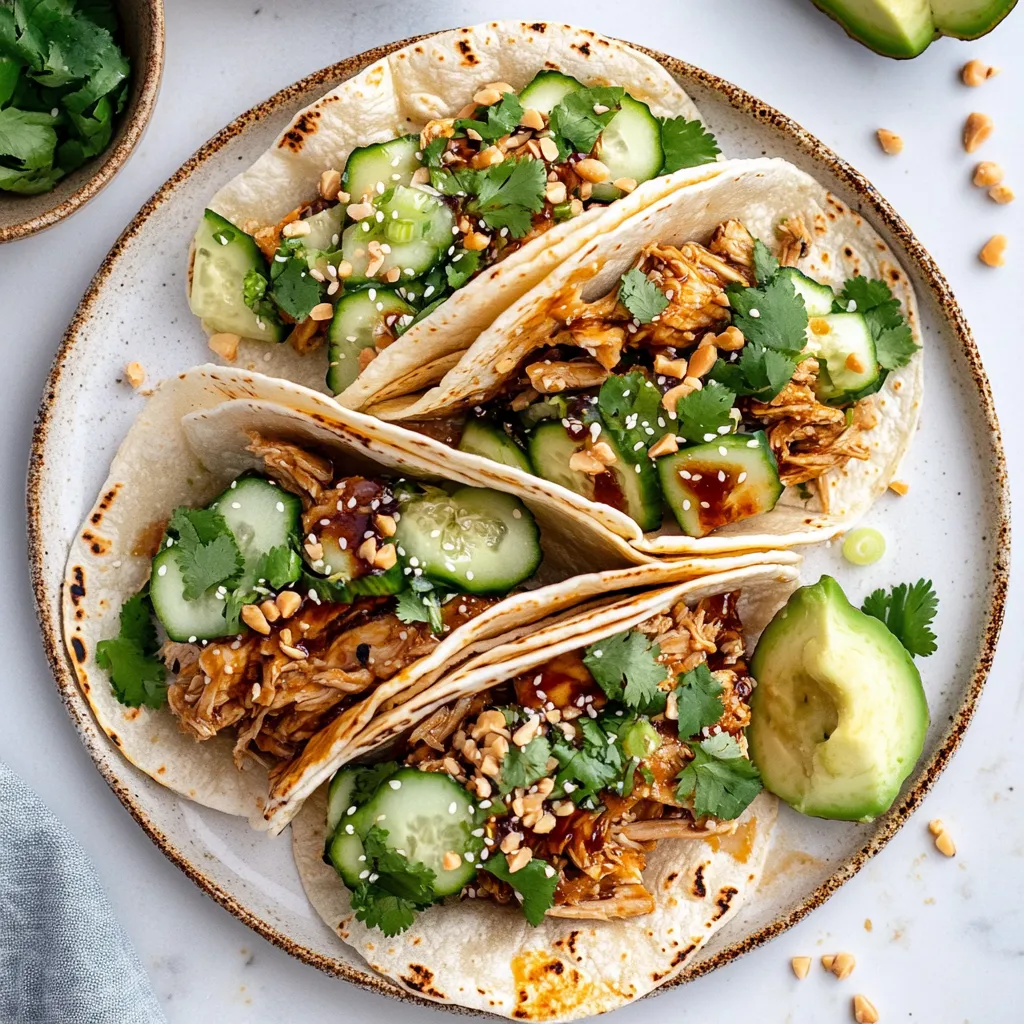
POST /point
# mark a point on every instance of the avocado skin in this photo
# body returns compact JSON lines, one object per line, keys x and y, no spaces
{"x":877,"y":719}
{"x":903,"y":43}
{"x":954,"y":17}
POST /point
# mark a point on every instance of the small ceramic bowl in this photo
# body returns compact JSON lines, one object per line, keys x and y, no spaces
{"x":142,"y":39}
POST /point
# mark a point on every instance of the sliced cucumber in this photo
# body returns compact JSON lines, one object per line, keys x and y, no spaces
{"x":224,"y":254}
{"x":378,"y":584}
{"x":373,"y":170}
{"x":415,"y":227}
{"x":325,"y":229}
{"x":185,"y":621}
{"x":547,"y":90}
{"x":622,"y":486}
{"x":723,"y":481}
{"x":630,"y":147}
{"x":845,"y":349}
{"x":339,"y":796}
{"x":491,"y":442}
{"x":361,"y":319}
{"x":345,"y":851}
{"x":426,"y":815}
{"x":818,"y":298}
{"x":261,"y":517}
{"x":482,"y":541}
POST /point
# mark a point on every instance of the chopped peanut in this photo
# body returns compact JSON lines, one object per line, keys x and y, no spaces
{"x":899,"y":487}
{"x":451,"y":860}
{"x":702,"y":360}
{"x":730,"y":340}
{"x":801,"y":965}
{"x":322,"y":311}
{"x":546,"y":824}
{"x":936,"y":826}
{"x":549,"y":150}
{"x":487,"y":97}
{"x":987,"y":174}
{"x":843,"y":965}
{"x":584,"y":462}
{"x":360,"y":211}
{"x":386,"y":525}
{"x":519,"y":859}
{"x":864,"y":1011}
{"x":330,"y":184}
{"x":1001,"y":194}
{"x":669,"y":367}
{"x":890,"y":142}
{"x":827,"y":961}
{"x":255,"y":619}
{"x":367,"y":551}
{"x":533,"y":119}
{"x":945,"y":845}
{"x":592,"y":170}
{"x":134,"y":374}
{"x":529,"y":728}
{"x":295,"y":229}
{"x":475,"y":241}
{"x":993,"y":252}
{"x":672,"y":396}
{"x":225,"y":345}
{"x":270,"y":611}
{"x":625,"y":184}
{"x":555,"y":192}
{"x":977,"y":128}
{"x":488,"y":157}
{"x":511,"y":842}
{"x":386,"y":557}
{"x":665,"y":445}
{"x":975,"y":72}
{"x":603,"y":453}
{"x":288,"y":603}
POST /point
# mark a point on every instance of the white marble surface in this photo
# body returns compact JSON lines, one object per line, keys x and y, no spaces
{"x":947,"y":938}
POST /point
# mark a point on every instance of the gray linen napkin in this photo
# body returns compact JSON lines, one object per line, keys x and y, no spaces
{"x":64,"y":959}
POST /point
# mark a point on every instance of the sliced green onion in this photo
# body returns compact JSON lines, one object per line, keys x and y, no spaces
{"x":863,"y":546}
{"x":640,"y":740}
{"x":563,"y":211}
{"x":400,"y":231}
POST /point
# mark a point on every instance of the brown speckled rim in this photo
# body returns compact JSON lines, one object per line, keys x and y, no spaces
{"x":150,"y":64}
{"x":773,"y":123}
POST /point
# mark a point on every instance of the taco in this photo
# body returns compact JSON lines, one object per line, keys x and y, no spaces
{"x":738,"y":365}
{"x":248,"y":575}
{"x":504,"y":840}
{"x":469,"y":163}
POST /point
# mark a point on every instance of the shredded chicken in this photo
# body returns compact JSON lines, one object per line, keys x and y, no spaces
{"x":734,"y":243}
{"x":294,"y":469}
{"x":795,"y":242}
{"x":807,"y":437}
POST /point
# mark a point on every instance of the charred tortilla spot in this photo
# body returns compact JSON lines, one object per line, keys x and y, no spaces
{"x":679,"y":957}
{"x":699,"y":889}
{"x":848,"y":253}
{"x":115,"y":738}
{"x":583,"y":48}
{"x":671,"y":878}
{"x":79,"y":648}
{"x":295,"y":138}
{"x":77,"y":588}
{"x":421,"y":979}
{"x":466,"y":49}
{"x":725,"y":895}
{"x":539,"y":26}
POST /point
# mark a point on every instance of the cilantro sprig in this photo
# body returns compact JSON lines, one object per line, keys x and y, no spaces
{"x":686,"y":144}
{"x":698,"y":701}
{"x":536,"y":883}
{"x":204,"y":549}
{"x":641,"y":296}
{"x":137,"y":677}
{"x":626,"y":667}
{"x":509,"y":193}
{"x":575,"y":119}
{"x":894,"y":342}
{"x":421,"y":603}
{"x":501,"y":118}
{"x":720,"y":780}
{"x":630,"y":408}
{"x":523,"y":766}
{"x":293,"y":288}
{"x":700,"y":414}
{"x":907,"y":611}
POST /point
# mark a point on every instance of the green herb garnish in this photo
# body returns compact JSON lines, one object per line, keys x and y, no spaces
{"x":204,"y":549}
{"x":536,"y":883}
{"x":574,"y":119}
{"x":698,"y":701}
{"x":643,"y":298}
{"x":137,"y":677}
{"x":719,"y":779}
{"x":626,"y":667}
{"x":907,"y":612}
{"x":686,"y":144}
{"x":894,"y":342}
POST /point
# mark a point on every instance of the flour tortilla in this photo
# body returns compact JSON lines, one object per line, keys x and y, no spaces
{"x":397,"y":95}
{"x":485,"y":957}
{"x":761,"y":194}
{"x":186,"y":446}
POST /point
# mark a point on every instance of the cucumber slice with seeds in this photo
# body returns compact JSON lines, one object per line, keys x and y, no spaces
{"x":630,"y":147}
{"x":324,"y":230}
{"x":185,"y":621}
{"x":416,"y":228}
{"x":361,"y":320}
{"x":547,"y":90}
{"x":372,"y":170}
{"x":491,"y":442}
{"x":818,"y":298}
{"x":723,"y":481}
{"x":481,"y":541}
{"x":845,"y":349}
{"x":224,"y":254}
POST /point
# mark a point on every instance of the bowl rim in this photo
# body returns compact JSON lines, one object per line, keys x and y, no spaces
{"x":769,"y":119}
{"x":128,"y":137}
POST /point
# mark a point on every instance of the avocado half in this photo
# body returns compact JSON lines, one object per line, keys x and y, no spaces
{"x":838,"y":717}
{"x":904,"y":28}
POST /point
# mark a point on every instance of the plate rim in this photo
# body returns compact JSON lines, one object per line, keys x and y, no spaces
{"x":767,"y":117}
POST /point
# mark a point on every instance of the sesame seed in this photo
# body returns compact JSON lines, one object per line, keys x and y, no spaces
{"x":722,"y":450}
{"x":395,"y":783}
{"x":453,"y":807}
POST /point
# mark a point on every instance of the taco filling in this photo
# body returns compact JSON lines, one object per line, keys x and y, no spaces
{"x":407,"y":222}
{"x":714,"y":377}
{"x":297,"y":591}
{"x":550,"y":790}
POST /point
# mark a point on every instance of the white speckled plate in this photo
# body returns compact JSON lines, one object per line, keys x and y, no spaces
{"x":953,"y":525}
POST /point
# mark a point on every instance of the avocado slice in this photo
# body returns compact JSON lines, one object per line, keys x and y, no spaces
{"x":838,"y":717}
{"x":969,"y":19}
{"x":893,"y":28}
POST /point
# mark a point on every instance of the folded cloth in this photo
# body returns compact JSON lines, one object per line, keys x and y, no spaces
{"x":64,"y":959}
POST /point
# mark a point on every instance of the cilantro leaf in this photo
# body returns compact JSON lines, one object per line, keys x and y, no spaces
{"x":697,"y":700}
{"x":701,"y":413}
{"x":907,"y":612}
{"x":28,"y":137}
{"x":293,"y":289}
{"x":205,"y":550}
{"x":630,"y":407}
{"x":536,"y":883}
{"x":643,"y":298}
{"x":279,"y":567}
{"x":507,"y":194}
{"x":759,"y":371}
{"x":771,"y":315}
{"x":686,"y":144}
{"x":894,"y":341}
{"x":719,"y":779}
{"x":626,"y":667}
{"x":523,"y":766}
{"x":136,"y":676}
{"x":416,"y":605}
{"x":575,"y":120}
{"x":463,"y":266}
{"x":368,"y":779}
{"x":766,"y":266}
{"x":432,"y":151}
{"x":377,"y":908}
{"x":585,"y":771}
{"x":502,"y":119}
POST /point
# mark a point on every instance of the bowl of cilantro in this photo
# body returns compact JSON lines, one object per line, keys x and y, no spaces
{"x":78,"y":82}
